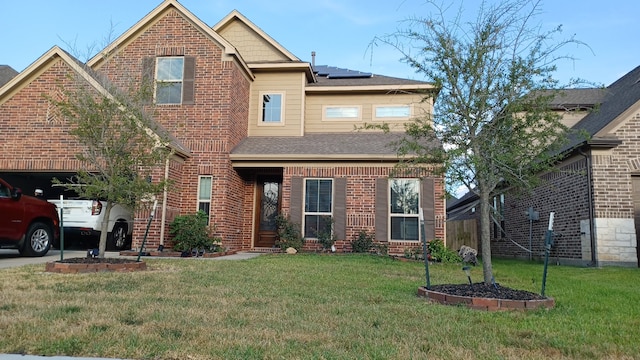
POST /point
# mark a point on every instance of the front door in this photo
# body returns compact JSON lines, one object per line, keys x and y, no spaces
{"x":267,"y":209}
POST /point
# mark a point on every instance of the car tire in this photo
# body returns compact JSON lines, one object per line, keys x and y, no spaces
{"x":118,"y":237}
{"x":37,"y":241}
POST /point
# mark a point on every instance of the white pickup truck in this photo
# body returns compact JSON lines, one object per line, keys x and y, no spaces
{"x":84,"y":217}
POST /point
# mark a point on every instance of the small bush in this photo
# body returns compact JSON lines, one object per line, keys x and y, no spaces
{"x":438,"y":252}
{"x":325,"y":236}
{"x":363,"y":243}
{"x":191,"y":232}
{"x":289,"y":234}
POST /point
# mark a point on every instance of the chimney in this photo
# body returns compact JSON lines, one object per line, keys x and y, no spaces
{"x":313,"y":59}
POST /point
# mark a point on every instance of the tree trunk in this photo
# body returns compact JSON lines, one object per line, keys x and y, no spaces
{"x":104,"y":229}
{"x":485,"y":235}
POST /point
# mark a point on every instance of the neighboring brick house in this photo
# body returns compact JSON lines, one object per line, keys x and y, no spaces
{"x":256,"y":132}
{"x":595,"y":189}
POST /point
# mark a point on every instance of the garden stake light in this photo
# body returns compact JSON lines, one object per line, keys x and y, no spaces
{"x":467,"y":271}
{"x":424,"y":249}
{"x":548,"y":242}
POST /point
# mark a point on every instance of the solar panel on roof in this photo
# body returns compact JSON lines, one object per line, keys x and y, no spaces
{"x":337,"y":73}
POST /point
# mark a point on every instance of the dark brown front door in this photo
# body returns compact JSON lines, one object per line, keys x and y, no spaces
{"x":267,"y":208}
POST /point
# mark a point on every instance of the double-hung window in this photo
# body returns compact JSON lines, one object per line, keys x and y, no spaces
{"x":271,"y":107}
{"x":318,"y":210}
{"x":404,"y":214}
{"x":169,"y":78}
{"x":204,"y":194}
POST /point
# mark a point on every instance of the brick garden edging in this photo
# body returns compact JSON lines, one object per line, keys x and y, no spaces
{"x":169,"y":253}
{"x":77,"y":268}
{"x":487,"y":304}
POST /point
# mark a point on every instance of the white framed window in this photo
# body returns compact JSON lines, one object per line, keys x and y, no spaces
{"x":169,"y":79}
{"x":271,"y":108}
{"x":404,"y":195}
{"x":318,"y":206}
{"x":339,"y":112}
{"x":204,"y":194}
{"x":392,"y":112}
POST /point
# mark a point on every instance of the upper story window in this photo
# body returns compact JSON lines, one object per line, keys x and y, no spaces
{"x":392,"y":111}
{"x":341,"y":112}
{"x":271,"y":105}
{"x":173,"y":79}
{"x":403,"y":212}
{"x":169,"y":76}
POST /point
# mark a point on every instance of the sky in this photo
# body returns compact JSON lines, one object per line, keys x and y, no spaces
{"x":339,"y":31}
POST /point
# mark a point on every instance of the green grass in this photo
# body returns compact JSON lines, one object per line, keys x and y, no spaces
{"x":312,"y":307}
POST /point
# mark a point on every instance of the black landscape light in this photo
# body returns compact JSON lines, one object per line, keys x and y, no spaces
{"x":467,"y":271}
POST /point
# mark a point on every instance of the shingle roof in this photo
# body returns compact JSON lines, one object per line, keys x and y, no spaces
{"x":6,"y":73}
{"x":619,"y":97}
{"x":570,"y":99}
{"x":353,"y":143}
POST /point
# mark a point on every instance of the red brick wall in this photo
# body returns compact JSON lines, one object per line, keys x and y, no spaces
{"x":360,"y":204}
{"x":34,"y":136}
{"x":209,"y":128}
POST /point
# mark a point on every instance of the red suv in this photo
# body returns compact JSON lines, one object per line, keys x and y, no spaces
{"x":27,"y":223}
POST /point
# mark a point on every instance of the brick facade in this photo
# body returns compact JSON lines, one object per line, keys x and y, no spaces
{"x":209,"y":127}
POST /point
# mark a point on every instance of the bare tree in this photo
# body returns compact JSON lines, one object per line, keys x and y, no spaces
{"x":492,"y":113}
{"x":121,"y":142}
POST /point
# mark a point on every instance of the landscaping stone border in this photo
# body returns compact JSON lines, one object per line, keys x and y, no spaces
{"x":77,"y":268}
{"x":169,"y":253}
{"x":487,"y":304}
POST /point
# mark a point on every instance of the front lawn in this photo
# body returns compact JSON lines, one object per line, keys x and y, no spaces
{"x":312,"y":307}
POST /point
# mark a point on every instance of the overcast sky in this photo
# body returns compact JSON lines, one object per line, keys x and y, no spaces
{"x":340,"y":31}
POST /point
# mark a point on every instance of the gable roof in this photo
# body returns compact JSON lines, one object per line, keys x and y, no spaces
{"x":618,"y":99}
{"x":236,"y":16}
{"x":159,"y":11}
{"x":88,"y":75}
{"x":6,"y":73}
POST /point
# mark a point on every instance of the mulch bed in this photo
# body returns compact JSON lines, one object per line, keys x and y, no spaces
{"x":92,"y":260}
{"x":486,"y":291}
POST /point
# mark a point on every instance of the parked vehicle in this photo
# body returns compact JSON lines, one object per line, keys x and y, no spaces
{"x":84,"y":217}
{"x":27,"y":223}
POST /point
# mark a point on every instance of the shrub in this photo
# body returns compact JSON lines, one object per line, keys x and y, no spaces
{"x":325,"y":236}
{"x":191,"y":232}
{"x":289,"y":234}
{"x":363,"y":243}
{"x":438,"y":252}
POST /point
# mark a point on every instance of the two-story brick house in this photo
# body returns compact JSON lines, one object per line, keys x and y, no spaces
{"x":255,"y":132}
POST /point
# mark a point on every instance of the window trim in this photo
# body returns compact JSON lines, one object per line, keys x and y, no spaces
{"x":171,"y":81}
{"x":204,"y":201}
{"x":391,"y":215}
{"x":374,"y":112}
{"x":304,"y":203}
{"x":356,"y":118}
{"x":261,"y":121}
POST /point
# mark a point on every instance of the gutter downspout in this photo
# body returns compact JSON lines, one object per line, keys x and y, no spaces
{"x":164,"y":202}
{"x":594,"y":249}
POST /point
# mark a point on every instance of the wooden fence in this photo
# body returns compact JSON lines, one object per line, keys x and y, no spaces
{"x":462,"y":232}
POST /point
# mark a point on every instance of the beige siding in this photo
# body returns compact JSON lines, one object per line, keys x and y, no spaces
{"x":570,"y":118}
{"x":315,"y":104}
{"x":252,"y":46}
{"x":291,"y":86}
